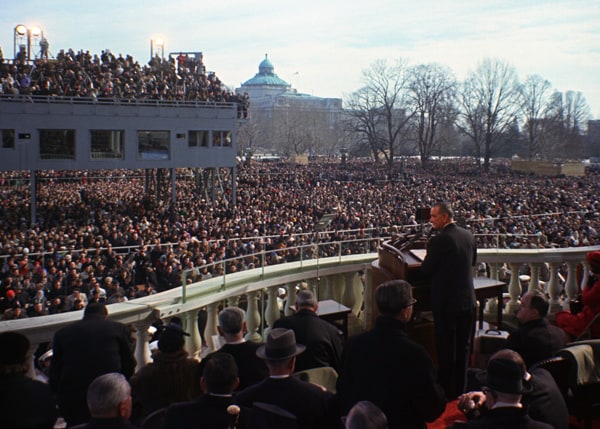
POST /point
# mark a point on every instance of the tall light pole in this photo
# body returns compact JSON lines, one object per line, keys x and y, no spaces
{"x":156,"y":45}
{"x":23,"y":36}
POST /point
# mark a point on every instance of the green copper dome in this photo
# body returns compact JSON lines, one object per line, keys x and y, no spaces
{"x":266,"y":76}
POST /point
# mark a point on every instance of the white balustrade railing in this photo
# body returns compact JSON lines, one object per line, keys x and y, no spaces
{"x":345,"y":278}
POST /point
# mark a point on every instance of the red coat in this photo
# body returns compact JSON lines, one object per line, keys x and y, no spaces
{"x":574,"y":324}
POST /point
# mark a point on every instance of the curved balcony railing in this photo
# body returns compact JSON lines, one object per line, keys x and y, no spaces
{"x":345,"y":277}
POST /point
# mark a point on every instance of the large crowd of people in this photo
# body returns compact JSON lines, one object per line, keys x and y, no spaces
{"x":80,"y":74}
{"x":99,"y":236}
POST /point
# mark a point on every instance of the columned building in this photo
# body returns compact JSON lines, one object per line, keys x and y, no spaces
{"x":284,"y":121}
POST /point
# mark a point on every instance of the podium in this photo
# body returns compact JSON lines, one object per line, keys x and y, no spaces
{"x":397,"y":260}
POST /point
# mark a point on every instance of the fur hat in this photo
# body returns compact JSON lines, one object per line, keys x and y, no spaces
{"x":593,"y":259}
{"x":280,"y":345}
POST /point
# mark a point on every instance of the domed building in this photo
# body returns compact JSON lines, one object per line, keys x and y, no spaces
{"x":285,"y":121}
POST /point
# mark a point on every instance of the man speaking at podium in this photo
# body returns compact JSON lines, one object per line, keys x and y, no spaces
{"x":451,"y":254}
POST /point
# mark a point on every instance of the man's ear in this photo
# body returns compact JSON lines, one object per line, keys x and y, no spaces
{"x":220,"y":331}
{"x":202,"y":385}
{"x":236,"y":383}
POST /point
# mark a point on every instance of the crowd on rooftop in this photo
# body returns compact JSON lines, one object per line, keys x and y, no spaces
{"x":80,"y":74}
{"x":101,"y":232}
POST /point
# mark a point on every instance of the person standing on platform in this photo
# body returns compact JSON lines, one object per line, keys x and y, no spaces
{"x":449,"y":261}
{"x":324,"y":342}
{"x":83,"y":351}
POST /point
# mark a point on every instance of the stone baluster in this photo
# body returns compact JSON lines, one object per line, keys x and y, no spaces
{"x":367,"y":315}
{"x":491,"y":306}
{"x":142,"y":348}
{"x":514,"y":290}
{"x":554,"y":288}
{"x":32,"y":349}
{"x":211,"y":324}
{"x":571,"y":286}
{"x":349,"y":296}
{"x":233,"y":301}
{"x":534,"y":281}
{"x":272,"y":311}
{"x":585,"y":278}
{"x":290,"y":300}
{"x":193,"y":344}
{"x":312,"y":286}
{"x":326,"y":288}
{"x":253,"y":317}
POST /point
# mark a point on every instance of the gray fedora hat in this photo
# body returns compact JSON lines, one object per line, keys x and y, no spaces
{"x":281,"y":344}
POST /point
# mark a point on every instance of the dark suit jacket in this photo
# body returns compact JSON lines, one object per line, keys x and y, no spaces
{"x":310,"y":404}
{"x":388,"y":368}
{"x":324,"y":342}
{"x":206,"y":411}
{"x":545,"y":401}
{"x":251,"y":368}
{"x":449,"y":261}
{"x":26,"y":403}
{"x":536,"y":340}
{"x":81,"y":352}
{"x":504,"y":418}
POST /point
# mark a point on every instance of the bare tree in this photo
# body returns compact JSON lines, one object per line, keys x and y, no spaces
{"x":431,"y":94}
{"x":569,"y":113}
{"x":488,"y":104}
{"x":535,"y":108}
{"x":377,"y":112}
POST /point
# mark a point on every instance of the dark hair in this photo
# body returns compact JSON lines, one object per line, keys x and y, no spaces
{"x":95,"y":309}
{"x":539,"y":303}
{"x":220,"y":372}
{"x":392,"y":296}
{"x":445,"y":208}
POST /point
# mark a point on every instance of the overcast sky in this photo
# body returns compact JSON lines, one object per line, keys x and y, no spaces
{"x":321,"y":47}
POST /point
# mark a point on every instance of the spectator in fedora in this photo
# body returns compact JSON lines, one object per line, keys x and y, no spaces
{"x":19,"y":392}
{"x":172,"y":376}
{"x":309,"y":403}
{"x":502,"y":393}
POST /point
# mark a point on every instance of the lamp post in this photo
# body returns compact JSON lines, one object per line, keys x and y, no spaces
{"x":23,"y":36}
{"x":156,"y":45}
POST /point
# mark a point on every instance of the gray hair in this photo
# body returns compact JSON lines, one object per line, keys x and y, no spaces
{"x":106,"y":393}
{"x":231,"y":320}
{"x":366,"y":415}
{"x":305,"y":298}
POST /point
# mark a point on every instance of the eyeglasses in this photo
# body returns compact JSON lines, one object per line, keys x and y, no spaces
{"x":413,"y":302}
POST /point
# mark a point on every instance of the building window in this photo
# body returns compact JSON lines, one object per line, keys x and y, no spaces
{"x":107,"y":144}
{"x":8,"y":139}
{"x":57,"y":144}
{"x":222,"y":138}
{"x":198,"y":139}
{"x":154,"y":145}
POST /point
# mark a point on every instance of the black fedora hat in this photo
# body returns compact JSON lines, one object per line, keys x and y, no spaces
{"x":281,"y":344}
{"x":504,"y":375}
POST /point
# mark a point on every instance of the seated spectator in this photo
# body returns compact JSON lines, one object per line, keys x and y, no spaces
{"x":171,"y":369}
{"x":535,"y":339}
{"x":324,"y":342}
{"x":219,"y":380}
{"x":541,"y":395}
{"x":232,"y":325}
{"x":502,"y":393}
{"x":574,"y":324}
{"x":310,"y":404}
{"x":366,"y":415}
{"x":109,"y":402}
{"x":20,"y":393}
